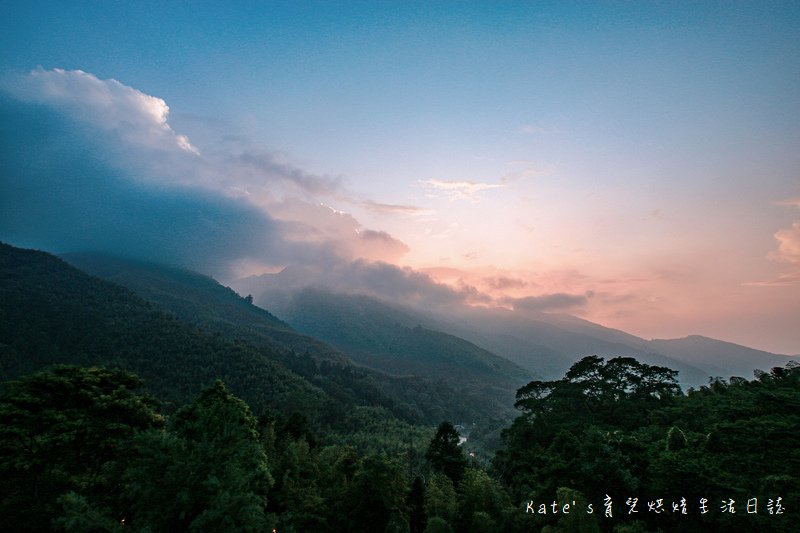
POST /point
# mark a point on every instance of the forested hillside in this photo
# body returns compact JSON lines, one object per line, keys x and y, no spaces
{"x":53,"y":313}
{"x":423,"y":376}
{"x":541,"y":344}
{"x":613,"y":446}
{"x":207,"y":418}
{"x":385,"y":338}
{"x":620,"y":432}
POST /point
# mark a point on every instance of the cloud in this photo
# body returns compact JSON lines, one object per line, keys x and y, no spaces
{"x":443,"y":234}
{"x":380,"y":245}
{"x":91,"y":164}
{"x":258,"y":168}
{"x":788,"y":244}
{"x":549,"y":302}
{"x":105,"y":104}
{"x":790,"y":202}
{"x":400,"y":285}
{"x":790,"y":278}
{"x":457,"y":190}
{"x":57,"y":194}
{"x":469,"y":190}
{"x":323,"y":225}
{"x":505,"y":282}
{"x":788,"y":251}
{"x":381,"y":209}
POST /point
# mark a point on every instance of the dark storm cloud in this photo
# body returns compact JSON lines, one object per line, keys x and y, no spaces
{"x":59,"y":192}
{"x":93,"y":164}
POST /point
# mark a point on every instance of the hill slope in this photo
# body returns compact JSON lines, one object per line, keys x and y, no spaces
{"x":544,"y":344}
{"x":723,"y":359}
{"x":202,"y":302}
{"x":550,"y":344}
{"x":381,"y":336}
{"x":53,"y":313}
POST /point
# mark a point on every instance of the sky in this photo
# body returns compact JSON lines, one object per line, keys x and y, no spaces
{"x":634,"y":164}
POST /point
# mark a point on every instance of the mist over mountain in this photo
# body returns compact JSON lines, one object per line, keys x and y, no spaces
{"x":385,"y":338}
{"x":404,"y":267}
{"x":115,"y":194}
{"x":723,"y":359}
{"x":472,"y":385}
{"x":543,"y":343}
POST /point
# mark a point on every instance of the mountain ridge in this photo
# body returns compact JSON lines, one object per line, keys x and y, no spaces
{"x":543,"y":343}
{"x":188,"y":296}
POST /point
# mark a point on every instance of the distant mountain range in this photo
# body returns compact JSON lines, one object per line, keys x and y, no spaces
{"x":180,"y":331}
{"x":544,"y":344}
{"x":421,"y":374}
{"x":346,"y":361}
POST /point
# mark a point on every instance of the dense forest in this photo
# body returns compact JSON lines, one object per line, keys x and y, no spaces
{"x":85,"y":449}
{"x":120,"y":413}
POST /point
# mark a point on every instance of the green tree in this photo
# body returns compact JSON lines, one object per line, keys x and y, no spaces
{"x":438,"y":524}
{"x":295,"y":496}
{"x":209,"y":473}
{"x":618,"y":392}
{"x":480,"y":495}
{"x":80,"y":516}
{"x":337,"y":467}
{"x":576,"y":521}
{"x":397,"y":524}
{"x":622,"y":428}
{"x":416,"y":505}
{"x":440,"y":498}
{"x":67,"y":430}
{"x":377,"y":493}
{"x":445,"y":455}
{"x":481,"y":522}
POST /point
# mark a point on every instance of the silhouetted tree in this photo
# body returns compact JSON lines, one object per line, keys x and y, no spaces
{"x":445,"y":455}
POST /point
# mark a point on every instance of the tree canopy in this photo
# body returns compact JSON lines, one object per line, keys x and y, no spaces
{"x":624,"y":428}
{"x":68,"y":429}
{"x":444,"y":453}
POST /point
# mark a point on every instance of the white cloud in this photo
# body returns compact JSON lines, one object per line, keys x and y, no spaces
{"x":788,"y":239}
{"x":106,"y":104}
{"x":788,"y":251}
{"x":129,"y":134}
{"x":341,"y":232}
{"x":393,"y":209}
{"x":457,"y":190}
{"x":549,"y":302}
{"x":788,"y":244}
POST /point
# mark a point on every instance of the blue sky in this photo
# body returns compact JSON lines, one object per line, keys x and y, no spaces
{"x":643,"y":153}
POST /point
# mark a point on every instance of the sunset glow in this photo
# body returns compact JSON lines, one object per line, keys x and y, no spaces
{"x":636,"y":165}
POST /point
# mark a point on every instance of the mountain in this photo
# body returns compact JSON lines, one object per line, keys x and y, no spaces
{"x":550,"y":344}
{"x":399,"y":342}
{"x":203,"y":302}
{"x":723,"y":359}
{"x":416,"y":394}
{"x":52,"y":313}
{"x":544,"y":344}
{"x":378,"y":335}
